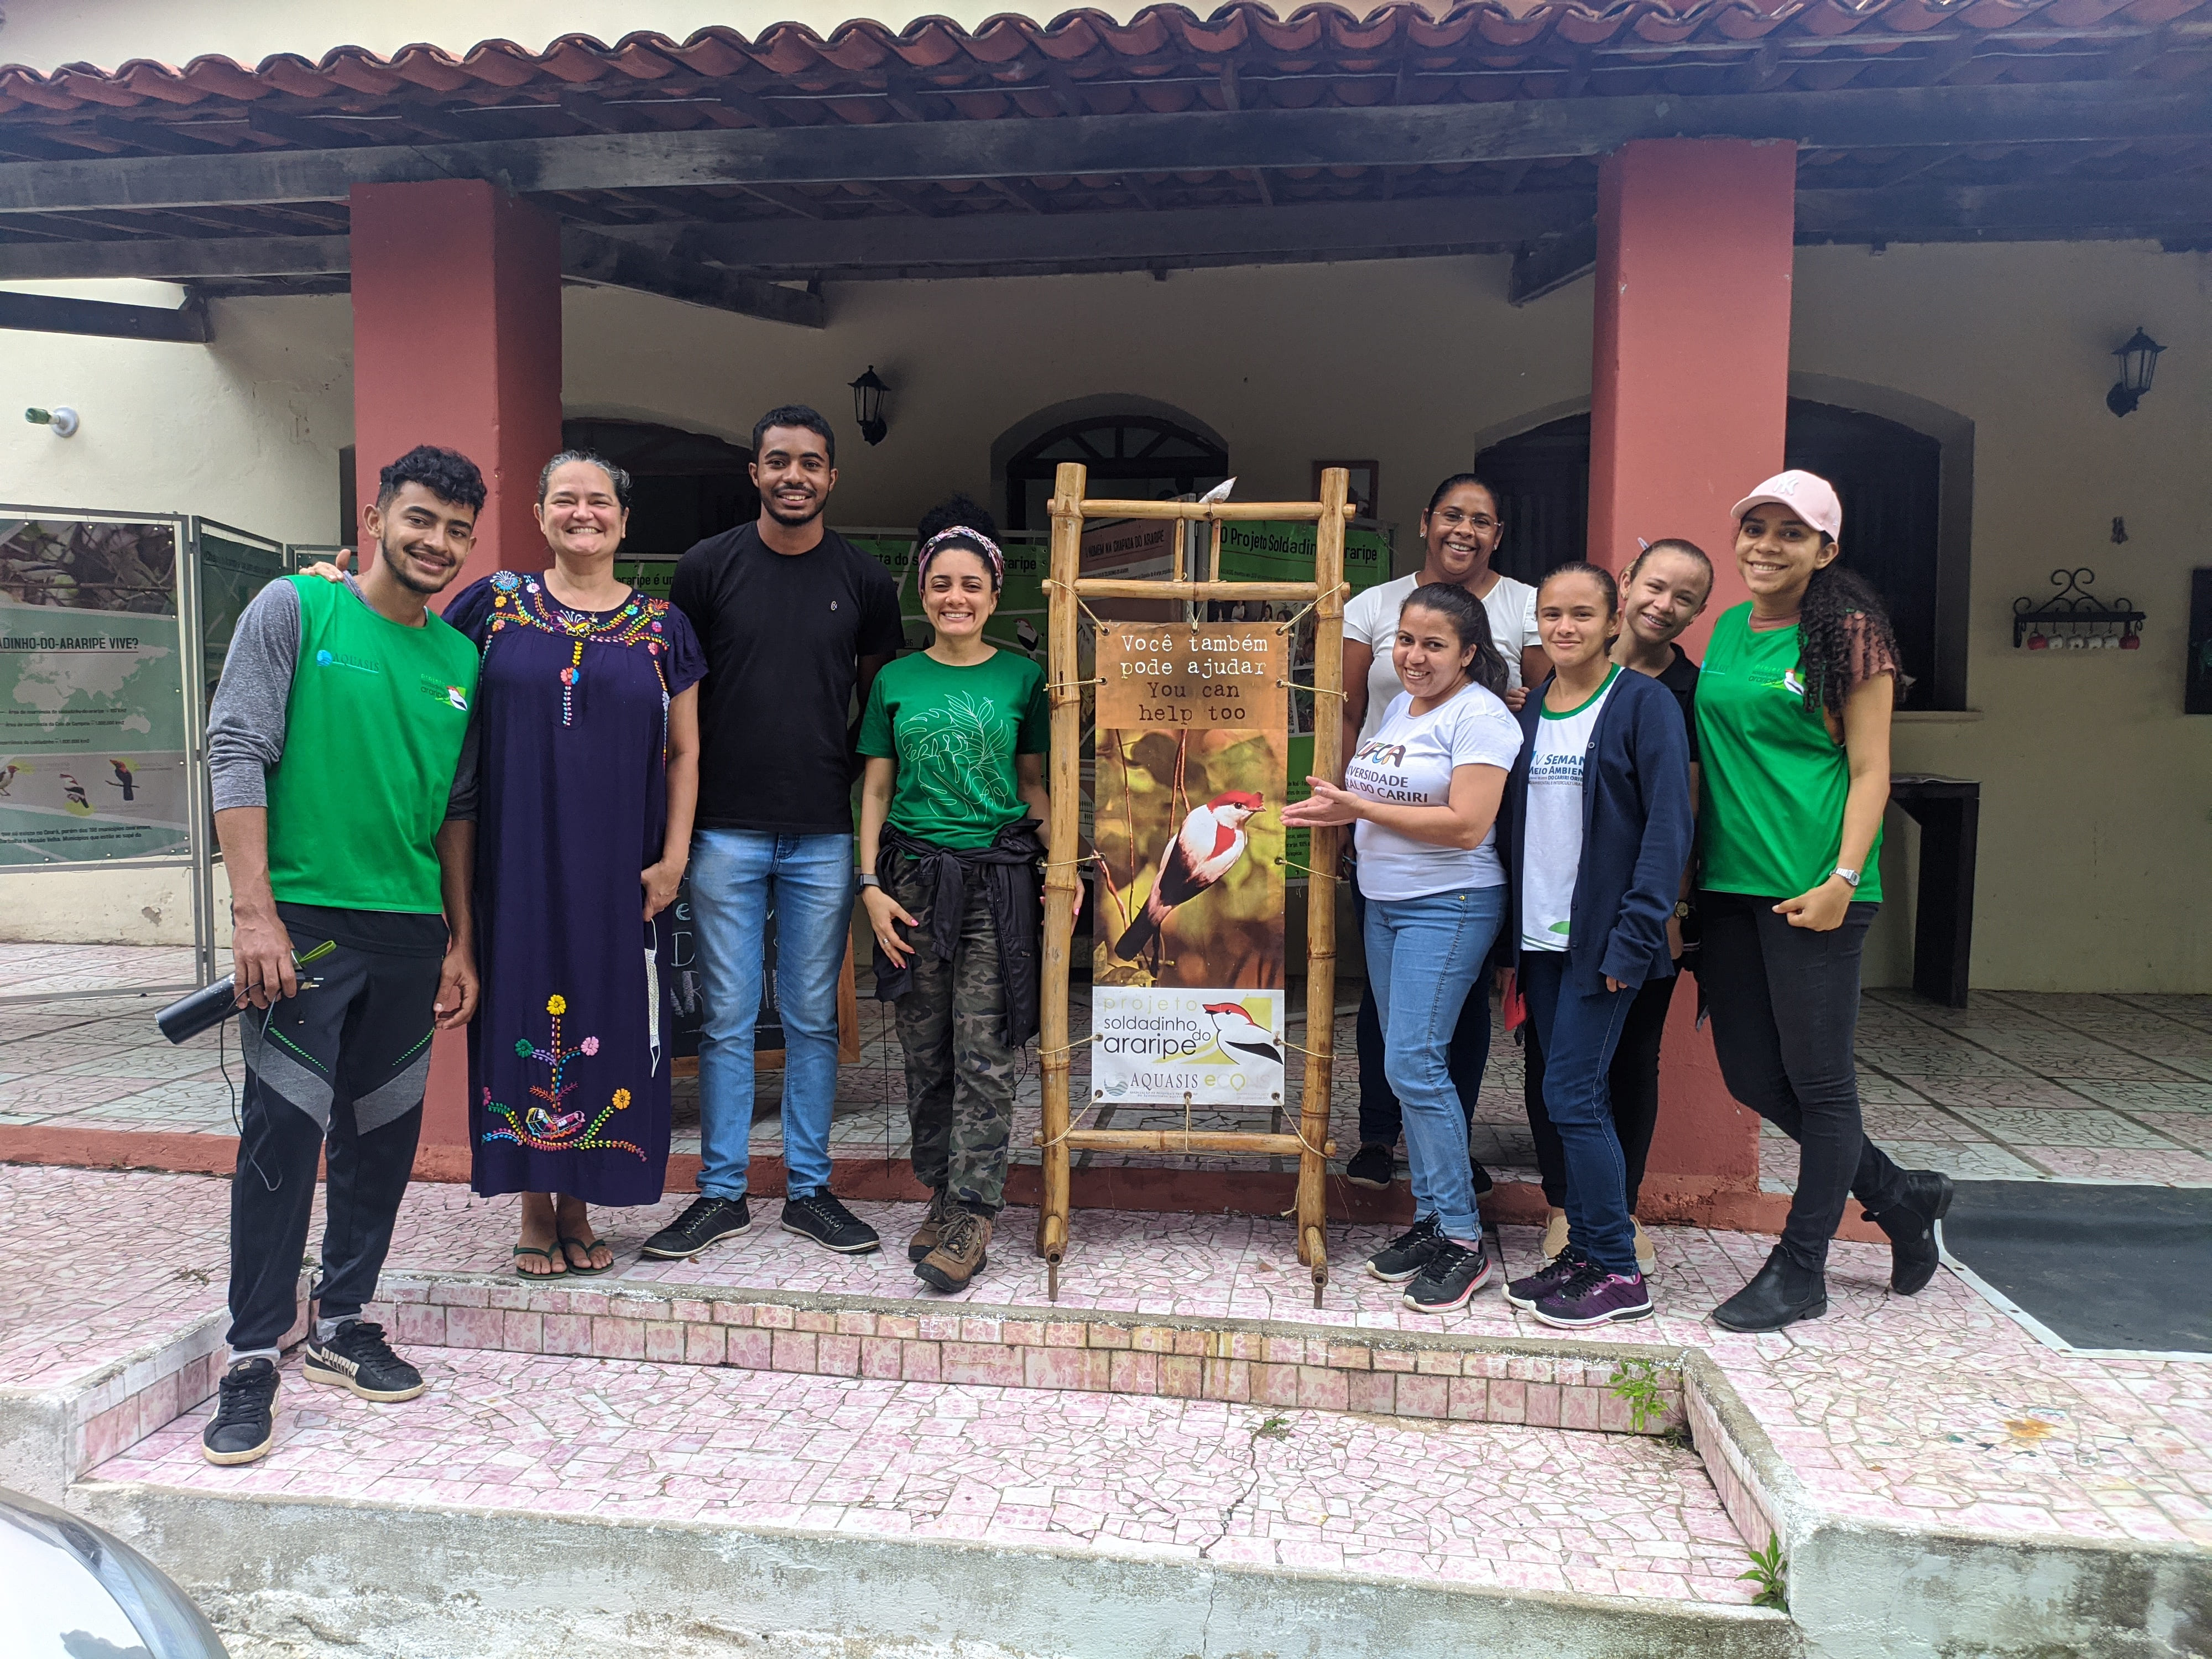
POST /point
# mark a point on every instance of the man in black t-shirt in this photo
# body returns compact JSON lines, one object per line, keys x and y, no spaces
{"x":795,"y":622}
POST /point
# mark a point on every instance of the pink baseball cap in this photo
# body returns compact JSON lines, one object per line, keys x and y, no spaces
{"x":1810,"y":496}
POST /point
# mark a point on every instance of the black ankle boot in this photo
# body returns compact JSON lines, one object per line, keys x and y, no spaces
{"x":1781,"y":1293}
{"x":1911,"y":1224}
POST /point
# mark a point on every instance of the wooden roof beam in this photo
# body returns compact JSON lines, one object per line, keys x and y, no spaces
{"x":1226,"y":141}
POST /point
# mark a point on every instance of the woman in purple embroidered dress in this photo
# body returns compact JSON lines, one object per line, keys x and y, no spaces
{"x":587,"y":772}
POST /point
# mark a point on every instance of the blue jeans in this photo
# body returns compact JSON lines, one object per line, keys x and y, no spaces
{"x":739,"y":877}
{"x":1424,"y":955}
{"x":1579,"y":1026}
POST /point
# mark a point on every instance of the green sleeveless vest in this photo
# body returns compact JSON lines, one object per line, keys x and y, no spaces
{"x":373,"y":733}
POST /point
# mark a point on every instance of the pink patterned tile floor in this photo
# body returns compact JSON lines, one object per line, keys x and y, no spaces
{"x":2017,"y":1085}
{"x":1934,"y":1411}
{"x":1475,"y":1504}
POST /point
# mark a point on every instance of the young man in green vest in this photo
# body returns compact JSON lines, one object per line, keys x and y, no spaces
{"x":335,"y":743}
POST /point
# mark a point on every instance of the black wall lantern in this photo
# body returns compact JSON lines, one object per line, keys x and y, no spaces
{"x":868,"y":405}
{"x":2138,"y":362}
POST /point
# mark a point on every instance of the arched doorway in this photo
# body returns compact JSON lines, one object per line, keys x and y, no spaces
{"x":1888,"y":475}
{"x":1142,"y":456}
{"x":688,"y":486}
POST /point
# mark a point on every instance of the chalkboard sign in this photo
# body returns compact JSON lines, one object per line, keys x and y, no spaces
{"x":688,"y":995}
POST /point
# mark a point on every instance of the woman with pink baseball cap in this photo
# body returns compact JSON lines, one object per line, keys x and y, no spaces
{"x":1794,"y":708}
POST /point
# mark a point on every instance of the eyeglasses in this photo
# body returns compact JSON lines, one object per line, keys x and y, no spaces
{"x":1451,"y":519}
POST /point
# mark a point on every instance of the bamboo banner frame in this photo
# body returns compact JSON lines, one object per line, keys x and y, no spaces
{"x":1326,"y":593}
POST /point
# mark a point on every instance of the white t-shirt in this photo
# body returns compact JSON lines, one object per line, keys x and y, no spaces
{"x":1408,"y":762}
{"x":1551,"y":841}
{"x":1371,"y":620}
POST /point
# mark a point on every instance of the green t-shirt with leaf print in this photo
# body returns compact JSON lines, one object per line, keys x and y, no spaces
{"x":954,"y":733}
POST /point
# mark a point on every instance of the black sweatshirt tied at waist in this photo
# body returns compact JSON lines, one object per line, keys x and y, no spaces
{"x":1008,"y":870}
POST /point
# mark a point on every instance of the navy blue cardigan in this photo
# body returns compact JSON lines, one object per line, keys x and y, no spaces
{"x":1637,"y":829}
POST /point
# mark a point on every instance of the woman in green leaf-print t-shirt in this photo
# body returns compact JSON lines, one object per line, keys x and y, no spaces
{"x":955,"y":738}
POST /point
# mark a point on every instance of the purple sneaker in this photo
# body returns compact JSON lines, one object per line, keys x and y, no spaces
{"x":1593,"y":1296}
{"x":1527,"y":1292}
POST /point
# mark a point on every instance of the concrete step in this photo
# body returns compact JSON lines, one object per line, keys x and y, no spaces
{"x":585,"y":1496}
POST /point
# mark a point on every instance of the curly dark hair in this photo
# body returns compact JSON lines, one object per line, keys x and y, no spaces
{"x":965,"y":512}
{"x":1471,"y":623}
{"x":445,"y":473}
{"x":1844,"y":639}
{"x":963,"y":509}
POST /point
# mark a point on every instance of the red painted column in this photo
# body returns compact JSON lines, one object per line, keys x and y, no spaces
{"x":457,"y":342}
{"x":1690,"y":384}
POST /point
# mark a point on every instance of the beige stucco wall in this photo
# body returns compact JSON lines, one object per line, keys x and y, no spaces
{"x":2095,"y":809}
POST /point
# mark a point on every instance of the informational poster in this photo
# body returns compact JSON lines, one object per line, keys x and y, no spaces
{"x":91,"y":700}
{"x":1187,"y":997}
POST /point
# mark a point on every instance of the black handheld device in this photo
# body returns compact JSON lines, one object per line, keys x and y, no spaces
{"x":186,"y":1017}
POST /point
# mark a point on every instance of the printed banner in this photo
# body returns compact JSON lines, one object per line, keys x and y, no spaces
{"x":1266,"y":551}
{"x":92,"y":697}
{"x":1186,"y":978}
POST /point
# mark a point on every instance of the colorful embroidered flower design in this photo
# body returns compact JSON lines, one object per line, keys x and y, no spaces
{"x":545,"y":1127}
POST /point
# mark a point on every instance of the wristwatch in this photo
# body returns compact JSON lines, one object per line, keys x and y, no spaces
{"x":868,"y":879}
{"x":1682,"y":910}
{"x":1850,"y":878}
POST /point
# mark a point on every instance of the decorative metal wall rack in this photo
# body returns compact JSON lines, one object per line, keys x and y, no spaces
{"x":2075,"y":619}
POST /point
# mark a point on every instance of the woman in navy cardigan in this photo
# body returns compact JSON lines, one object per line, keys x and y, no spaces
{"x":1595,"y":832}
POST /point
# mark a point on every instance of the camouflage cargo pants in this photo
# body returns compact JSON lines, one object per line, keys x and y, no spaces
{"x":960,"y":1074}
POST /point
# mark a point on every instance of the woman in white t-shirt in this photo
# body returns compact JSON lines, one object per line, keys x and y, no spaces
{"x":1424,"y":792}
{"x":1597,"y":828}
{"x":1460,"y":532}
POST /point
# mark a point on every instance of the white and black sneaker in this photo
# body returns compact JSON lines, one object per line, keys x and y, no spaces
{"x":357,"y":1357}
{"x":705,"y":1220}
{"x":1450,"y":1279}
{"x":1407,"y":1254}
{"x":245,"y":1421}
{"x":820,"y":1217}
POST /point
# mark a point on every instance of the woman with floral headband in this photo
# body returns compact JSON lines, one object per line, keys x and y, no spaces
{"x":954,"y":739}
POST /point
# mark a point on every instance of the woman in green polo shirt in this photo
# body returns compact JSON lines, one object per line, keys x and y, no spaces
{"x":955,"y":738}
{"x":1793,"y":729}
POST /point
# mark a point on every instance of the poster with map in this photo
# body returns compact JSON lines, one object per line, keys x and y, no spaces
{"x":92,"y":698}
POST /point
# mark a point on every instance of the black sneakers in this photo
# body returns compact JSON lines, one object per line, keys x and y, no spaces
{"x":820,"y":1217}
{"x":1453,"y":1275}
{"x":357,"y":1357}
{"x":245,"y":1421}
{"x":705,"y":1221}
{"x":1371,"y":1166}
{"x":1407,"y":1254}
{"x":1546,"y":1279}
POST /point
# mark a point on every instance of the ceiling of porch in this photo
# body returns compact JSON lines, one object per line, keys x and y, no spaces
{"x":1085,"y":144}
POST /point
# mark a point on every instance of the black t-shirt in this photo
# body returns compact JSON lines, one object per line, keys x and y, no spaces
{"x":1681,"y":676}
{"x":783,"y":634}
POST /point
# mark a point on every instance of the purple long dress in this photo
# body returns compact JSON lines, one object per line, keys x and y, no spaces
{"x":570,"y":1048}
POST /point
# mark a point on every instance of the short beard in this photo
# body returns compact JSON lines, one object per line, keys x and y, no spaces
{"x":767,"y":505}
{"x":399,"y":574}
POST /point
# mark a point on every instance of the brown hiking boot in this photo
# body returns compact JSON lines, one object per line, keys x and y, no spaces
{"x":959,"y":1253}
{"x":933,"y":1223}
